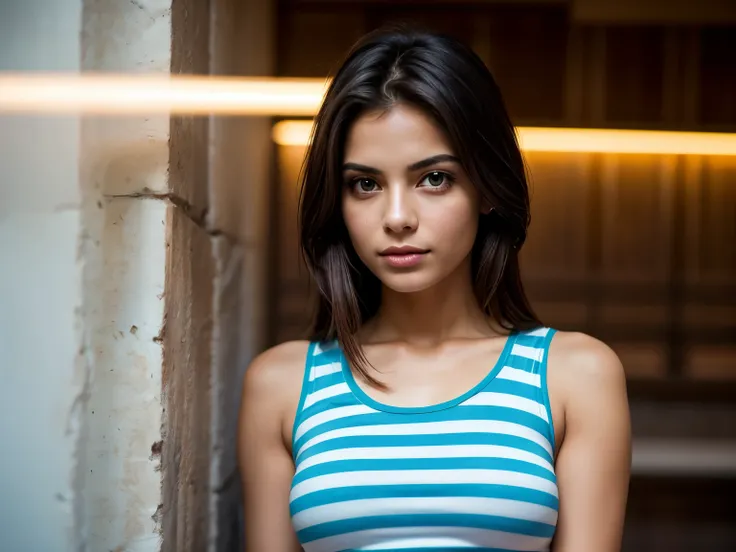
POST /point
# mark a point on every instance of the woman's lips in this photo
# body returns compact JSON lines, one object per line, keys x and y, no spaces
{"x":404,"y":260}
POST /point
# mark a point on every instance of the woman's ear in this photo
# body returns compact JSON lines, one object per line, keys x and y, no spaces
{"x":485,"y":208}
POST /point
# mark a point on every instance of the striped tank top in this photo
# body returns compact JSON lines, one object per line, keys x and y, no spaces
{"x":473,"y":473}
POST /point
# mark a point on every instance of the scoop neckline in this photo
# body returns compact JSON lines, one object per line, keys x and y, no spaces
{"x":367,"y":400}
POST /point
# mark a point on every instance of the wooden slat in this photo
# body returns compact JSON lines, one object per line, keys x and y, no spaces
{"x":533,"y":78}
{"x":313,"y":42}
{"x":635,"y":74}
{"x":637,"y":12}
{"x":637,"y":203}
{"x":718,"y":74}
{"x":557,"y":245}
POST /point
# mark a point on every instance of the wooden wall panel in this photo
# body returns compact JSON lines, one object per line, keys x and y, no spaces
{"x":718,"y":76}
{"x":291,"y":285}
{"x":634,"y":69}
{"x":312,"y":43}
{"x":533,"y":76}
{"x":636,"y":209}
{"x":456,"y":22}
{"x":561,"y":202}
{"x":638,"y":12}
{"x":709,"y":298}
{"x":711,"y":217}
{"x":680,"y":515}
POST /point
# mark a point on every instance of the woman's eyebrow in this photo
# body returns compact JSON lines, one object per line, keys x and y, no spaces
{"x":429,"y":161}
{"x":360,"y":168}
{"x":424,"y":163}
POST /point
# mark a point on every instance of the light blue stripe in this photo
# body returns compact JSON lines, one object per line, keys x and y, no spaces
{"x":537,"y":341}
{"x":475,"y":521}
{"x":521,"y":363}
{"x":413,"y":464}
{"x":477,"y":490}
{"x":517,"y":389}
{"x":329,"y":380}
{"x":436,"y":439}
{"x":498,"y":413}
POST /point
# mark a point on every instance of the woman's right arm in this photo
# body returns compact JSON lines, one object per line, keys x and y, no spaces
{"x":266,"y":466}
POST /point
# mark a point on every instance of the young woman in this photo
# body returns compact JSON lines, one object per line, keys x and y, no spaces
{"x":431,"y":409}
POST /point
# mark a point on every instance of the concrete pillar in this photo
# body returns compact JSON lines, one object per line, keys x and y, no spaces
{"x":134,"y":258}
{"x":129,"y":209}
{"x":196,"y":189}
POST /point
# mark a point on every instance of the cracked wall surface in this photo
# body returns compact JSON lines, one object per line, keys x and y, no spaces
{"x":137,"y":284}
{"x":124,"y":182}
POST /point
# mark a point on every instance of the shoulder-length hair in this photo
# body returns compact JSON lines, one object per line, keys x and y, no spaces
{"x":450,"y":83}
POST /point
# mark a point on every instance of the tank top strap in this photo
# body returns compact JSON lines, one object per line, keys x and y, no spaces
{"x":530,"y":350}
{"x":527,"y":365}
{"x":323,"y":378}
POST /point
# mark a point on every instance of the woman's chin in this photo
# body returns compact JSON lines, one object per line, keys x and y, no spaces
{"x":409,"y":282}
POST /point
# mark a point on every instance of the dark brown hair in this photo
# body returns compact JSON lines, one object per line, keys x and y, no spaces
{"x":450,"y":83}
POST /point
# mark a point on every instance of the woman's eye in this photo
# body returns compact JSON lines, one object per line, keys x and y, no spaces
{"x":436,"y":179}
{"x":365,"y":185}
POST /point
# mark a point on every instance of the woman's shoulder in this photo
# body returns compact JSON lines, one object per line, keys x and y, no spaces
{"x":583,"y":366}
{"x":272,"y":365}
{"x":584,"y":355}
{"x":277,"y":373}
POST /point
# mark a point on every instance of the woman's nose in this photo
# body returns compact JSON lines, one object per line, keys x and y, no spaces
{"x":400,"y":214}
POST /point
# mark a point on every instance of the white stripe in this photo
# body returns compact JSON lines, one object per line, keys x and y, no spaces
{"x":439,"y":538}
{"x":320,"y":370}
{"x":425,"y":452}
{"x":421,"y":477}
{"x":539,"y":332}
{"x":326,"y":393}
{"x":488,"y":398}
{"x":350,"y":509}
{"x":533,"y":353}
{"x":434,"y":428}
{"x":322,"y":348}
{"x":522,"y":376}
{"x":330,"y":415}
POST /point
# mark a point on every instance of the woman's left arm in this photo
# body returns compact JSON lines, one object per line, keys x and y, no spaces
{"x":594,"y":459}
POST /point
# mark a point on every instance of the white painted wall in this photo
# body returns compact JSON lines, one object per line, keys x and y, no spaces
{"x":124,"y":242}
{"x":40,"y":288}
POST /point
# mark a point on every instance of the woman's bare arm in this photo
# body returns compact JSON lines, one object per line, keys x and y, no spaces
{"x":270,"y":395}
{"x":594,"y":460}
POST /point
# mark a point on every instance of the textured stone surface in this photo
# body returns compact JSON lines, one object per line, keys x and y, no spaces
{"x":124,"y":182}
{"x":153,"y":295}
{"x":190,"y":54}
{"x":187,"y":341}
{"x":118,"y":474}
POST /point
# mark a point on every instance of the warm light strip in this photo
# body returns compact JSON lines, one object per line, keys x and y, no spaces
{"x":296,"y":133}
{"x":626,"y":141}
{"x":151,"y":94}
{"x":292,"y":133}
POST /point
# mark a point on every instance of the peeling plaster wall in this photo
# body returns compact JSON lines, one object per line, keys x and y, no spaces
{"x":124,"y":182}
{"x":134,"y":271}
{"x":40,"y":289}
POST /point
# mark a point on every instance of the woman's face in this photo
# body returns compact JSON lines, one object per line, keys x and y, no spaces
{"x":410,"y":209}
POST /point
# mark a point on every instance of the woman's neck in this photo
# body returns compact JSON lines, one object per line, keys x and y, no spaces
{"x":448,"y":310}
